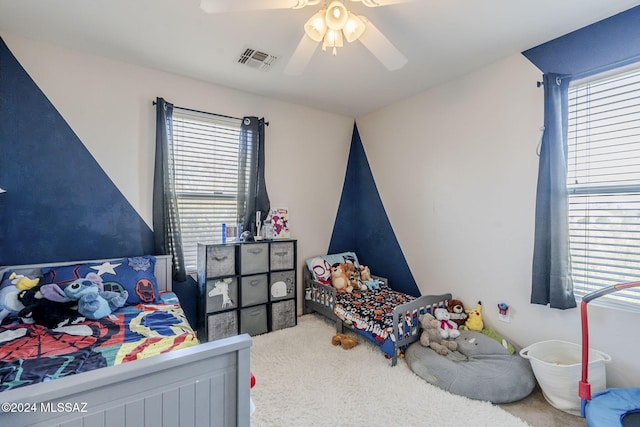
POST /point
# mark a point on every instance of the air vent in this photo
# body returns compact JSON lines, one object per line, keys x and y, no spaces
{"x":256,"y":59}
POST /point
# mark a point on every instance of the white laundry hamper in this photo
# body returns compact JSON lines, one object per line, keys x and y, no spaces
{"x":557,"y":366}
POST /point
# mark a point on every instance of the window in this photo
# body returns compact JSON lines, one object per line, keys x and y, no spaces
{"x":603,"y":184}
{"x":205,"y":150}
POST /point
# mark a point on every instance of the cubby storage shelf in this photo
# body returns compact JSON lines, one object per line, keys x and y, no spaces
{"x":246,"y":287}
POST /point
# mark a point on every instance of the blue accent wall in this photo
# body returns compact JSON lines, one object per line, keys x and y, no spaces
{"x":60,"y":205}
{"x":606,"y":44}
{"x":362,"y":224}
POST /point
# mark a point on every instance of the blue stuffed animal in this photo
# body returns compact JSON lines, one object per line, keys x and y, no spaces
{"x":93,"y":303}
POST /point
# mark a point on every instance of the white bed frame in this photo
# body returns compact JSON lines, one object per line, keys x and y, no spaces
{"x":205,"y":385}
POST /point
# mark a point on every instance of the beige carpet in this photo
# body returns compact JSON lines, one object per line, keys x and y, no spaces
{"x":302,"y":380}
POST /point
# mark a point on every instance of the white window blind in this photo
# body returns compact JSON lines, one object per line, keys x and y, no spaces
{"x":205,"y":152}
{"x":603,"y":184}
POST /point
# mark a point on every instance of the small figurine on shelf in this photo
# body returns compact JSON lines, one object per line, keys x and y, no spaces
{"x":258,"y":235}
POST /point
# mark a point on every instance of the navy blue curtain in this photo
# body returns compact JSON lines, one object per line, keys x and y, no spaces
{"x":252,"y":189}
{"x":551,"y":281}
{"x":166,"y":221}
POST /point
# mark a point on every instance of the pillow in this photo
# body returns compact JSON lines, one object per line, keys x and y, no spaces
{"x":135,"y":275}
{"x":320,"y":267}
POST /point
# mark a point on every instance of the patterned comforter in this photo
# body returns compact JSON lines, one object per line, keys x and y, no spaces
{"x":32,"y":354}
{"x":370,"y":312}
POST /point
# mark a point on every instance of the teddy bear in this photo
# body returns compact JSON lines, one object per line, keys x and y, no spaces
{"x":446,"y":327}
{"x":474,"y":321}
{"x":430,"y":336}
{"x":345,"y":341}
{"x":339,"y":278}
{"x":457,"y":312}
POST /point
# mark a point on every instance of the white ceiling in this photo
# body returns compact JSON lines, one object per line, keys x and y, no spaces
{"x":442,"y":39}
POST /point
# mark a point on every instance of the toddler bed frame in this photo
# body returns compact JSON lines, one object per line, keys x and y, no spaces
{"x":321,"y":298}
{"x":204,"y":385}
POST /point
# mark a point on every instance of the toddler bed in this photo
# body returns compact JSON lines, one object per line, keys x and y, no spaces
{"x":386,"y":317}
{"x":99,"y":372}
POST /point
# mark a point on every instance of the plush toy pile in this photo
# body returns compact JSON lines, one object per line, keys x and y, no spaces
{"x":432,"y":337}
{"x":346,"y":276}
{"x":53,"y":306}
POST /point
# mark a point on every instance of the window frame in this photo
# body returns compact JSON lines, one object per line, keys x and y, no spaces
{"x":628,"y":300}
{"x":195,"y":187}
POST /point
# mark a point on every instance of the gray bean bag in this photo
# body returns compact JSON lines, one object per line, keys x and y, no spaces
{"x":482,"y":369}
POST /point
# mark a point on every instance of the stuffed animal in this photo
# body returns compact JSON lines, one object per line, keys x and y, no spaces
{"x":10,"y":288}
{"x":367,"y":280}
{"x":22,"y":282}
{"x":353,"y":274}
{"x":339,"y":278}
{"x":474,"y":321}
{"x":92,"y":302}
{"x":40,"y":310}
{"x":365,"y":273}
{"x":446,"y":327}
{"x":456,"y":310}
{"x":430,"y":336}
{"x":10,"y":306}
{"x":345,"y":341}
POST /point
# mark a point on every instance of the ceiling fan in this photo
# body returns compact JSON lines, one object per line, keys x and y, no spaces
{"x":330,"y":25}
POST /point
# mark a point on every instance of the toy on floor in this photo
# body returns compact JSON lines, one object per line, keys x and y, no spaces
{"x":431,"y":337}
{"x":345,"y":341}
{"x":474,"y":321}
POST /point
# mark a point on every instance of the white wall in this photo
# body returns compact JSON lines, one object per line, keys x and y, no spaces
{"x":109,"y":106}
{"x":456,"y":168}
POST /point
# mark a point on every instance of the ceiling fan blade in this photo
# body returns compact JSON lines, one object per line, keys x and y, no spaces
{"x":301,"y":57}
{"x":376,"y":3}
{"x":381,"y":47}
{"x":221,"y":6}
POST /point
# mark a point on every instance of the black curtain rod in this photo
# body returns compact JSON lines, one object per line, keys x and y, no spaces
{"x":206,"y":112}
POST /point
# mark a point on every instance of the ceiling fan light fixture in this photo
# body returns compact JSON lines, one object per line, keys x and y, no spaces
{"x":332,"y":39}
{"x":354,"y":28}
{"x":316,"y":27}
{"x":336,"y":15}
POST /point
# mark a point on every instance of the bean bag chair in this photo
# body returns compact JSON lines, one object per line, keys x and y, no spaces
{"x":482,"y":368}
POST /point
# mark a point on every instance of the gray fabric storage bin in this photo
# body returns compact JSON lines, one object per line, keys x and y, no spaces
{"x":254,"y":289}
{"x":221,"y":260}
{"x":222,"y":325}
{"x":254,"y":258}
{"x":282,"y":285}
{"x":283,"y":314}
{"x":282,"y":255}
{"x":253,"y":320}
{"x":221,"y":301}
